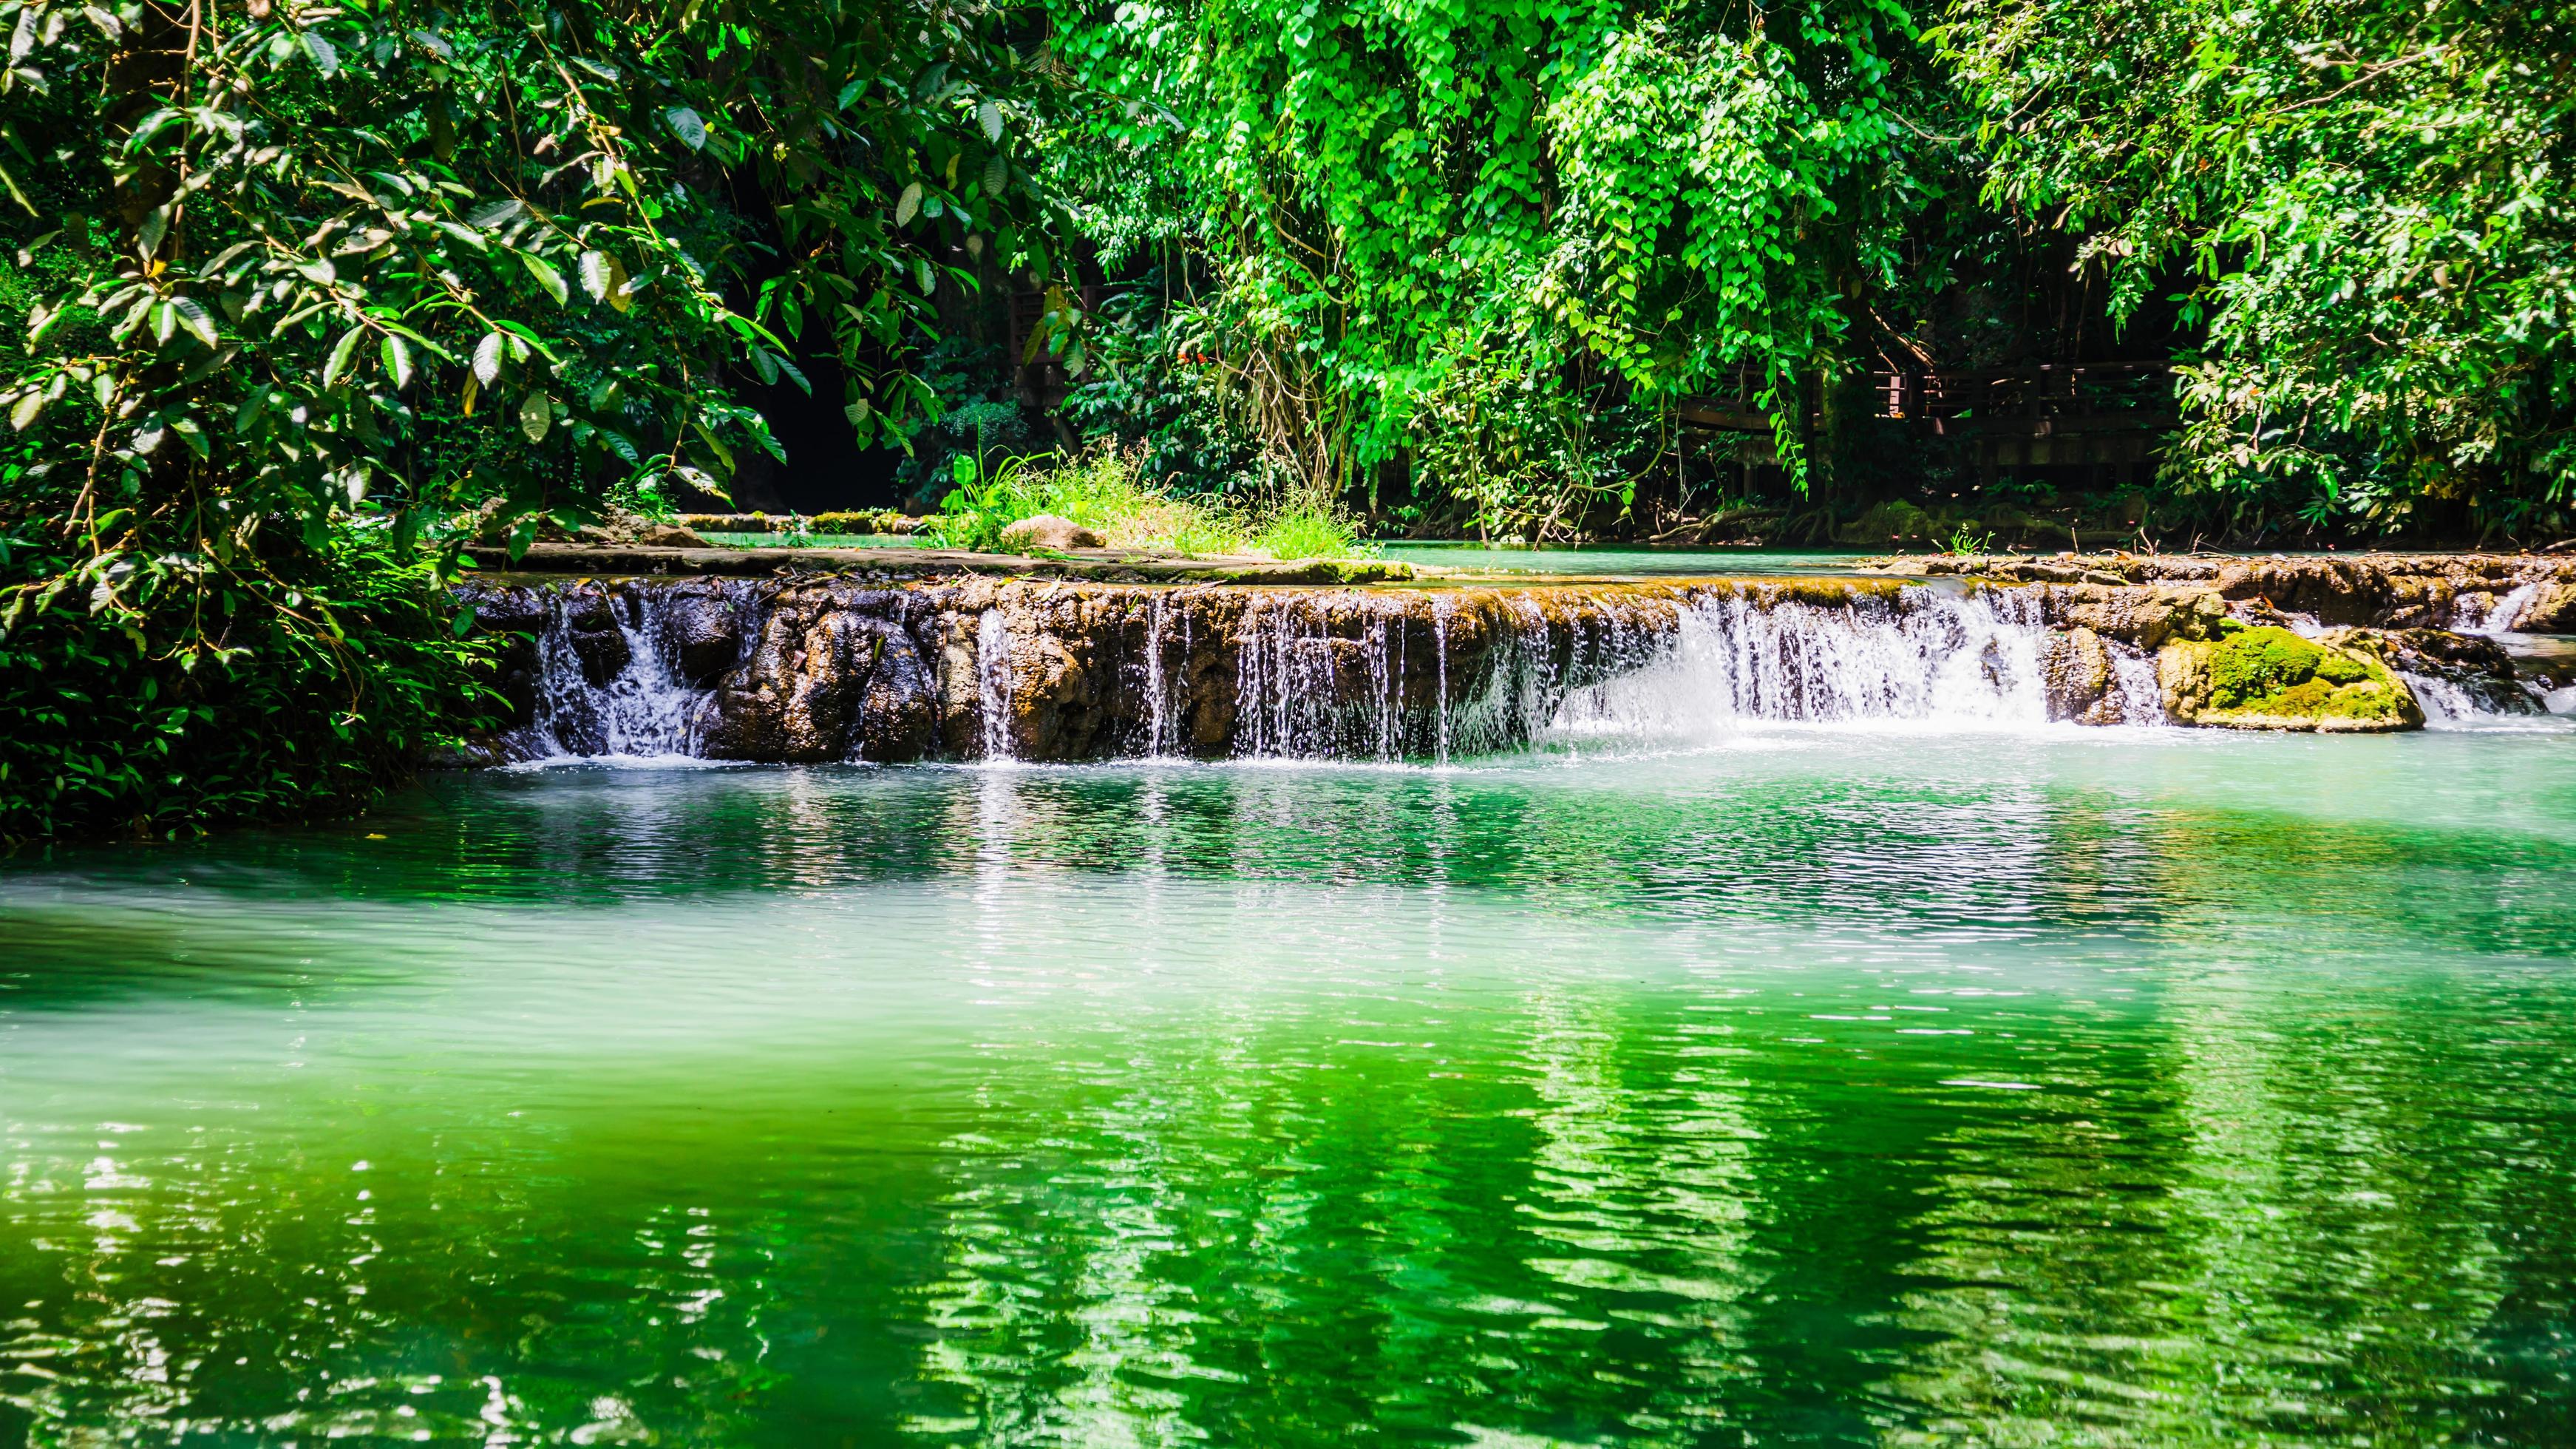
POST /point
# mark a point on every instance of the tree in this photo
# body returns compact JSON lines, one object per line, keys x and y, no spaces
{"x":1501,"y":234}
{"x":312,"y":289}
{"x":2369,"y":203}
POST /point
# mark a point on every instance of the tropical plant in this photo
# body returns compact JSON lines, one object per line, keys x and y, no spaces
{"x":1406,"y":211}
{"x":307,"y":284}
{"x":2367,"y":202}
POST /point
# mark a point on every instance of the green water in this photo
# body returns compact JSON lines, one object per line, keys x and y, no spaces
{"x":2116,"y":1087}
{"x":1615,"y":561}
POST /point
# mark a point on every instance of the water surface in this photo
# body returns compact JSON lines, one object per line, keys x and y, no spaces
{"x":1616,"y":561}
{"x":1826,"y":1087}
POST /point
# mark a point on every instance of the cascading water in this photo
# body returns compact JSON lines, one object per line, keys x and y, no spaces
{"x":843,"y":671}
{"x":994,"y":683}
{"x":1928,"y":657}
{"x":644,"y":704}
{"x":2501,"y":615}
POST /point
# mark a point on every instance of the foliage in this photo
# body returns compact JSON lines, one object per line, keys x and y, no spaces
{"x":1967,"y":542}
{"x":1103,"y":490}
{"x":2369,"y":204}
{"x":966,"y":381}
{"x":321,"y":688}
{"x":293,"y":271}
{"x":1152,"y":385}
{"x":1410,"y":213}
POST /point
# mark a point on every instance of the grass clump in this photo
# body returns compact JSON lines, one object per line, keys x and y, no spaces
{"x":1104,"y":491}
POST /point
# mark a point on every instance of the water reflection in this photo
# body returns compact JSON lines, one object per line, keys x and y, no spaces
{"x":1849,"y":1092}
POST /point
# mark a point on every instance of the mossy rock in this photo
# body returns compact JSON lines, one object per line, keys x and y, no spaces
{"x":1895,"y":521}
{"x":2268,"y":678}
{"x":863,"y":521}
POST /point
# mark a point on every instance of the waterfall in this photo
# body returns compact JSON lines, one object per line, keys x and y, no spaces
{"x":1158,"y":704}
{"x":1926,"y":657}
{"x":644,"y":705}
{"x":841,"y":670}
{"x":2500,"y":615}
{"x":993,"y":683}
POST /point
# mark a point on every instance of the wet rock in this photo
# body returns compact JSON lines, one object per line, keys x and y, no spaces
{"x":2476,"y":669}
{"x":2144,"y":616}
{"x":2075,"y":671}
{"x":2271,"y":679}
{"x":702,"y":626}
{"x":1048,"y":531}
{"x":898,"y":714}
{"x":512,"y":617}
{"x":2551,"y":611}
{"x":590,"y":619}
{"x":793,"y":700}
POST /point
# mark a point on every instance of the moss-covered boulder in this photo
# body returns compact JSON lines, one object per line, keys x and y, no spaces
{"x":2271,"y":679}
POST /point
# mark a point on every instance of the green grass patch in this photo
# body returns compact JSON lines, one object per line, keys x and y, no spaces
{"x":1103,"y":491}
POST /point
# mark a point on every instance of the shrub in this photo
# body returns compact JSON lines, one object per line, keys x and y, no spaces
{"x":305,"y":683}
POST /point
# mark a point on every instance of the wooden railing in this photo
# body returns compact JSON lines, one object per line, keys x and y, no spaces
{"x":2112,"y":414}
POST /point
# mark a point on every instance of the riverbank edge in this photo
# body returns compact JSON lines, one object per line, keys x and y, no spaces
{"x":1108,"y":566}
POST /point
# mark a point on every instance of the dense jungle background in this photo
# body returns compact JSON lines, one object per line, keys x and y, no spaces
{"x":311,"y":295}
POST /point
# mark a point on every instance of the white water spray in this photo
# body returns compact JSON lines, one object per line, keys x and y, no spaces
{"x":993,"y":683}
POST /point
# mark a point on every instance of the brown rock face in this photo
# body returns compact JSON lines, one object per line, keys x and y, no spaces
{"x":796,"y":697}
{"x":2076,"y":671}
{"x":2476,"y":666}
{"x":1048,"y":531}
{"x":2551,"y":611}
{"x":703,"y":630}
{"x":822,"y":667}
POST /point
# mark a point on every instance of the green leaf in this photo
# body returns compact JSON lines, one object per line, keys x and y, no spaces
{"x":325,"y":58}
{"x":29,"y":408}
{"x":397,"y":361}
{"x":547,"y":277}
{"x":907,"y":205}
{"x":338,"y":363}
{"x":536,"y":414}
{"x":194,"y":317}
{"x":687,"y":125}
{"x":989,"y":116}
{"x":487,"y":359}
{"x":594,"y":268}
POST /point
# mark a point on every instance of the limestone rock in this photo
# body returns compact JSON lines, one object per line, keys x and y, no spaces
{"x":2075,"y":671}
{"x":2551,"y":611}
{"x":513,"y":615}
{"x":699,"y":621}
{"x":792,"y":700}
{"x":2271,"y":679}
{"x":1050,"y":532}
{"x":898,"y":715}
{"x":2146,"y":616}
{"x":2476,"y":666}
